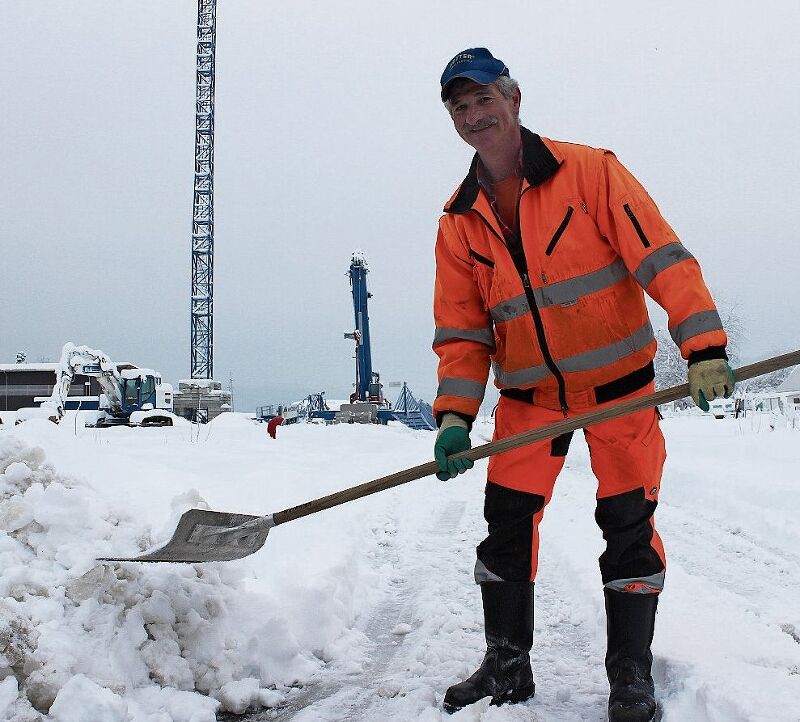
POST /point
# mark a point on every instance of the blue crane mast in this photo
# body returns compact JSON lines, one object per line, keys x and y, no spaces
{"x":368,"y":386}
{"x":367,"y":403}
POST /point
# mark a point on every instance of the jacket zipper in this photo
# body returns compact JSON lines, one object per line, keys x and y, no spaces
{"x":521,"y":264}
{"x":559,"y":231}
{"x":637,"y":226}
{"x":481,"y":259}
{"x":548,"y":358}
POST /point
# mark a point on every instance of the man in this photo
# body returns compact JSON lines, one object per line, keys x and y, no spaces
{"x":542,"y":257}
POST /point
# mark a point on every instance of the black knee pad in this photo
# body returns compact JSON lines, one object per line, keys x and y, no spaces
{"x":506,"y":551}
{"x":625,"y":520}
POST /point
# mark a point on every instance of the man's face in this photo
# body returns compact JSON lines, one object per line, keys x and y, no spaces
{"x":483,"y":117}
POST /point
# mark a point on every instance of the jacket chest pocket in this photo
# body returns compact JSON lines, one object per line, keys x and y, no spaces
{"x":559,"y":231}
{"x":570,"y":225}
{"x":570,"y":241}
{"x":481,"y":259}
{"x":483,"y":268}
{"x":483,"y":271}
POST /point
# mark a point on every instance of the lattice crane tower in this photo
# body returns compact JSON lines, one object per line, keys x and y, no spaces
{"x":202,"y":352}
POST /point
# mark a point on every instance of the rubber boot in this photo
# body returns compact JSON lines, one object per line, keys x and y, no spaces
{"x":505,"y":674}
{"x":631,"y":621}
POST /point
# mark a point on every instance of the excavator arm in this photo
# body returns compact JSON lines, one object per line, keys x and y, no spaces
{"x":88,"y":362}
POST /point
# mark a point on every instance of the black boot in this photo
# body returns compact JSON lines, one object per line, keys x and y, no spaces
{"x":505,"y":674}
{"x":631,"y":619}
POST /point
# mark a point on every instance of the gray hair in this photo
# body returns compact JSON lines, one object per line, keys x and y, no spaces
{"x":506,"y":85}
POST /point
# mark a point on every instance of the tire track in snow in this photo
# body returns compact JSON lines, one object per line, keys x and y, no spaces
{"x":334,"y":695}
{"x":702,"y":545}
{"x":569,"y":649}
{"x":360,"y":695}
{"x":570,"y":641}
{"x":446,"y":611}
{"x":567,"y":656}
{"x":758,"y":562}
{"x":449,"y":644}
{"x":743,"y":565}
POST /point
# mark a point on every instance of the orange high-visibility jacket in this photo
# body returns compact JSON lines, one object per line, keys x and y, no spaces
{"x":561,"y":310}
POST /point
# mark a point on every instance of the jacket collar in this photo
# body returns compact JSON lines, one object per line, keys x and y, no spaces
{"x":538,"y":165}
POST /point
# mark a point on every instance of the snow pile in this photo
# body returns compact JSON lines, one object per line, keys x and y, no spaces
{"x":88,"y":642}
{"x":371,"y":606}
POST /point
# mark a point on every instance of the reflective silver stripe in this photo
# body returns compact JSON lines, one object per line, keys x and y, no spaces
{"x":482,"y":574}
{"x":572,"y":289}
{"x":567,"y":291}
{"x":695,"y":325}
{"x":481,"y":335}
{"x":638,"y":585}
{"x":605,"y":355}
{"x":512,"y":308}
{"x":461,"y":387}
{"x":658,"y":261}
{"x":586,"y":361}
{"x":522,"y":377}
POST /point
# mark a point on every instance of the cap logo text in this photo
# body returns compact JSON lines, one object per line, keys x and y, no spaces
{"x":462,"y":58}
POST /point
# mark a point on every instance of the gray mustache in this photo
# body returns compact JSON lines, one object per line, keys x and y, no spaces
{"x":480,"y":125}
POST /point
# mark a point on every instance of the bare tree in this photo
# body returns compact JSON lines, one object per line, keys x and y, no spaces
{"x":670,"y":366}
{"x":735,"y":327}
{"x":764,"y":383}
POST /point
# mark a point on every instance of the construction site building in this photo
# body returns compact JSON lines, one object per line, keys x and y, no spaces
{"x":200,"y":400}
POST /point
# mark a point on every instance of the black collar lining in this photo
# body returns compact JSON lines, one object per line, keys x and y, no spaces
{"x":538,"y":165}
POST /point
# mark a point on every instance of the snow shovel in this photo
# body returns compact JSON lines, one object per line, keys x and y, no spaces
{"x":214,"y":536}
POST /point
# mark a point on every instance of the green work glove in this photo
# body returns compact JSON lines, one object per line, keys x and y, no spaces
{"x":452,"y":438}
{"x":709,"y":380}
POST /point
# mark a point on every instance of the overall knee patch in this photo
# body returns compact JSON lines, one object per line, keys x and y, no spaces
{"x":633,"y":559}
{"x":509,"y":551}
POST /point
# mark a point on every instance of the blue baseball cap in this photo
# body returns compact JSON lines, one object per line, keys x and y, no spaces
{"x":477,"y":64}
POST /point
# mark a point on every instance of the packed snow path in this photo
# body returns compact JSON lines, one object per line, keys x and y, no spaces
{"x":368,"y":611}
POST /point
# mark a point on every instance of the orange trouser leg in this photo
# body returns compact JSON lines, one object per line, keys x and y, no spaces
{"x":520,"y":483}
{"x":627,"y":457}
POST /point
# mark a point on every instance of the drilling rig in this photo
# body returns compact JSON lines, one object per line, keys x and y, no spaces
{"x":368,"y":387}
{"x":367,"y":404}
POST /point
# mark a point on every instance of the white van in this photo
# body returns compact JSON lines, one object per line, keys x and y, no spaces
{"x":721,"y":408}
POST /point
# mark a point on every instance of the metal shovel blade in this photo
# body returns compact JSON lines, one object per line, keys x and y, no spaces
{"x":209,"y":536}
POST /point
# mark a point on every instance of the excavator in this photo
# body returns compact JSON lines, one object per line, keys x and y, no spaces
{"x":131,"y":396}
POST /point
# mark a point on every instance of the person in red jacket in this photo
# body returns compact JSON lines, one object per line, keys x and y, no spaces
{"x":273,"y":424}
{"x":543,"y":256}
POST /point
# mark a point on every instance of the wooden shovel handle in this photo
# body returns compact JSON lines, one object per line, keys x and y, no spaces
{"x":528,"y":437}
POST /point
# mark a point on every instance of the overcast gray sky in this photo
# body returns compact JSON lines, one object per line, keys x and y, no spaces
{"x":330,"y":136}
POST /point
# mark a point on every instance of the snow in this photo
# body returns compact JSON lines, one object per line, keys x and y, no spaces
{"x":137,"y":417}
{"x":368,"y":611}
{"x":25,"y":366}
{"x":138,"y":373}
{"x":791,"y":383}
{"x":199,"y":383}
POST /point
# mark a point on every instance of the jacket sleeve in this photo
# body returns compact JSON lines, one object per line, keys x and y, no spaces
{"x":652,"y":252}
{"x":464,"y":337}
